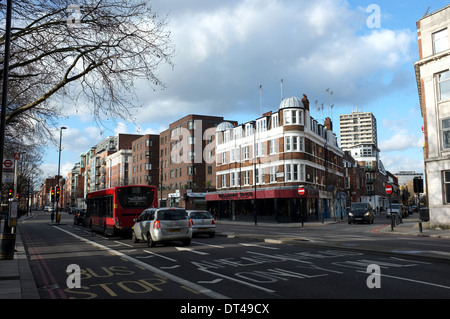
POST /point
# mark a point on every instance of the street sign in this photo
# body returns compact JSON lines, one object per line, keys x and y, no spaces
{"x":301,"y":191}
{"x":388,"y":189}
{"x":8,"y":164}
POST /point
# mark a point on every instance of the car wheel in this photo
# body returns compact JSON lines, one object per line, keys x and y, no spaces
{"x":211,"y":235}
{"x":134,"y":238}
{"x":150,"y":242}
{"x":186,"y":242}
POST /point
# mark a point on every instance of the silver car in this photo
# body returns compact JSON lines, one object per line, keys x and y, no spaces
{"x":202,"y":222}
{"x":157,"y":225}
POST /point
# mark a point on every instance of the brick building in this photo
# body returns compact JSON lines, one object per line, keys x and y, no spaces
{"x":145,"y":160}
{"x":267,"y":159}
{"x":187,"y":161}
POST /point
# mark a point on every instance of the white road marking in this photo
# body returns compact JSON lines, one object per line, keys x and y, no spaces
{"x":179,"y":280}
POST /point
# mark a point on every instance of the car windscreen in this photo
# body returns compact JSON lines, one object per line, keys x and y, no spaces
{"x":168,"y":214}
{"x":200,"y":215}
{"x":359,"y":206}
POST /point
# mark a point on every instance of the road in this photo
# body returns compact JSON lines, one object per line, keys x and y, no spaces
{"x":327,"y":262}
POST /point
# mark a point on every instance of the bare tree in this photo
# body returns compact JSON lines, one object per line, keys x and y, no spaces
{"x":98,"y":47}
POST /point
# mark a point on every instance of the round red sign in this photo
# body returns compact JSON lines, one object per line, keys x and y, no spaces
{"x":301,"y":191}
{"x":388,"y":189}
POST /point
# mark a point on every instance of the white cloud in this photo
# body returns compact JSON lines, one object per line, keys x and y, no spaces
{"x":225,"y":52}
{"x":227,"y":49}
{"x":401,"y":141}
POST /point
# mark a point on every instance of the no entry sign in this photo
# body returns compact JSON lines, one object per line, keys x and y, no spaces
{"x":388,"y":189}
{"x":301,"y":191}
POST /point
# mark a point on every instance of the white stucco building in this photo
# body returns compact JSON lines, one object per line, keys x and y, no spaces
{"x":433,"y":82}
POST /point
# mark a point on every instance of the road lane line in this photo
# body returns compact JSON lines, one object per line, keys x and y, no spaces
{"x":179,"y":280}
{"x":412,"y":280}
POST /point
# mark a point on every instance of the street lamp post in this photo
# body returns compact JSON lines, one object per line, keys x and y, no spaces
{"x":59,"y":167}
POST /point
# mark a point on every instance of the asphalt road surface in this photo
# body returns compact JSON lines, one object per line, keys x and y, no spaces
{"x":71,"y":262}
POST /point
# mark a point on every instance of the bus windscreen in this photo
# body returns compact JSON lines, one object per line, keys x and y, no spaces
{"x":135,"y":197}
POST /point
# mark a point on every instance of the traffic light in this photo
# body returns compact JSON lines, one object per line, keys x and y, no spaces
{"x":53,"y":194}
{"x":418,"y":185}
{"x":57,"y":193}
{"x":17,"y":195}
{"x":10,"y":193}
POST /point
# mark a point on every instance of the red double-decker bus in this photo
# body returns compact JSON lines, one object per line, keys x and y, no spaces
{"x":111,"y":211}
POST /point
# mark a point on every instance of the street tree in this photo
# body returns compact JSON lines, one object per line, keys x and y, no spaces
{"x":86,"y":53}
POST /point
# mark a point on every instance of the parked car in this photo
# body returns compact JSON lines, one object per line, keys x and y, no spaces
{"x":80,"y":217}
{"x":156,"y":225}
{"x":46,"y":208}
{"x":360,"y":212}
{"x":202,"y":222}
{"x":397,"y":209}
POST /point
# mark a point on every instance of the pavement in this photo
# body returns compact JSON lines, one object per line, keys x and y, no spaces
{"x":17,"y":281}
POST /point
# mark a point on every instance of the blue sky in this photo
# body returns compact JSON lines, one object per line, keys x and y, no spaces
{"x":226,"y":49}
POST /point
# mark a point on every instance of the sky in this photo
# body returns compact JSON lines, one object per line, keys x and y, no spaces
{"x":232,"y":56}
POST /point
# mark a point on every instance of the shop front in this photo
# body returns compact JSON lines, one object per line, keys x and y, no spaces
{"x":281,"y":205}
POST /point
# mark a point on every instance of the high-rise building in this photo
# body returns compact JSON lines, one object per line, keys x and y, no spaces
{"x":433,"y":83}
{"x":358,"y":132}
{"x":358,"y":128}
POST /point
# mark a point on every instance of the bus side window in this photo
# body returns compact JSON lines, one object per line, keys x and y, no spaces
{"x":109,"y":206}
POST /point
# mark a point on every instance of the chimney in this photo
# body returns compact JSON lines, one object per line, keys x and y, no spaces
{"x":328,"y":124}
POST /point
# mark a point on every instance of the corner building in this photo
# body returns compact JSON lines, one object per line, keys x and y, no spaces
{"x":269,"y":158}
{"x":433,"y":83}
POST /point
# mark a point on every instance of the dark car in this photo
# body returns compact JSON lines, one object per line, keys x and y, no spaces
{"x":361,"y":212}
{"x":80,"y":217}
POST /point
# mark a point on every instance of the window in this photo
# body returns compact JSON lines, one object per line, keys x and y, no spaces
{"x":246,"y":152}
{"x":287,"y":143}
{"x":273,"y":172}
{"x":288,"y":172}
{"x":232,"y":181}
{"x":444,"y":86}
{"x":224,"y":180}
{"x":293,"y":117}
{"x":440,"y":41}
{"x":446,"y":133}
{"x":248,"y":129}
{"x":261,"y":125}
{"x":275,"y":120}
{"x":224,"y":158}
{"x":447,"y":186}
{"x":246,"y":177}
{"x":294,"y":172}
{"x":272,"y":146}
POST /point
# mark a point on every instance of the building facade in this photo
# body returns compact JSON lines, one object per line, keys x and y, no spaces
{"x":187,"y":161}
{"x":358,"y":132}
{"x":145,"y":160}
{"x":433,"y":82}
{"x":261,"y":164}
{"x":358,"y":128}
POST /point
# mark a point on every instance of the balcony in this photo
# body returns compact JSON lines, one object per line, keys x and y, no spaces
{"x":370,"y":168}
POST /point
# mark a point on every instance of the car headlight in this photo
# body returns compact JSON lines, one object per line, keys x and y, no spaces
{"x":350,"y":214}
{"x":367,"y":214}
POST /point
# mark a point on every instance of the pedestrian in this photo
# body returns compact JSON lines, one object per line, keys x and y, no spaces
{"x":52,"y":216}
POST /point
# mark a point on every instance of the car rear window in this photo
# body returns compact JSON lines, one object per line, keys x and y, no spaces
{"x":200,"y":215}
{"x":171,"y":214}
